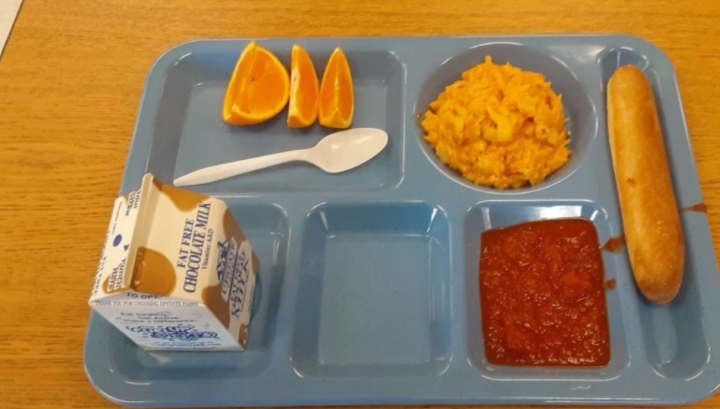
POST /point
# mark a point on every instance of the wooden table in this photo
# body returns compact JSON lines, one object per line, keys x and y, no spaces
{"x":70,"y":82}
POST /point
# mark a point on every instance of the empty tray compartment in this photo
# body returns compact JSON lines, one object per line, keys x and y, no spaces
{"x":373,"y":297}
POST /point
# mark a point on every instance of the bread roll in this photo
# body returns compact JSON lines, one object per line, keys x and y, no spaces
{"x":650,"y":215}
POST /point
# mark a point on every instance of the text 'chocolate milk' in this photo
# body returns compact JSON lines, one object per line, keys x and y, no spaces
{"x":176,"y":271}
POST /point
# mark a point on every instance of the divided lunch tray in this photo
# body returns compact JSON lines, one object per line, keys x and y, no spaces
{"x":368,"y":285}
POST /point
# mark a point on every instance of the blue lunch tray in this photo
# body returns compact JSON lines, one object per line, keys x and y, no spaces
{"x":368,"y":283}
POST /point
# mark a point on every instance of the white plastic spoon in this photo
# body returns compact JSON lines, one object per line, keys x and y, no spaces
{"x":335,"y":153}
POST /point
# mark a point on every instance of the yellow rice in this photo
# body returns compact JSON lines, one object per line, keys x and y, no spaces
{"x":499,"y":126}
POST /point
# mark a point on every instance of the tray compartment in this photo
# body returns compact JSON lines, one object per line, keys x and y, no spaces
{"x":579,"y":109}
{"x":496,"y":214}
{"x":373,"y":296}
{"x":673,"y":334}
{"x":266,"y":226}
{"x":190,"y":134}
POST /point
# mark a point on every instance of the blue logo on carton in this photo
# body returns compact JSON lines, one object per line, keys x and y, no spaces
{"x":173,"y":333}
{"x":227,"y":253}
{"x":223,"y":253}
{"x":233,"y":269}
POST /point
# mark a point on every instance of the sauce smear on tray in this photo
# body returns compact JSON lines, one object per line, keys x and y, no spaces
{"x":543,"y":295}
{"x":614,"y":244}
{"x":700,"y":207}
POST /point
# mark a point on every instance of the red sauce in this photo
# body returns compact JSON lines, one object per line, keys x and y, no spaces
{"x":700,"y":207}
{"x":610,"y":284}
{"x":614,"y":244}
{"x":542,"y":295}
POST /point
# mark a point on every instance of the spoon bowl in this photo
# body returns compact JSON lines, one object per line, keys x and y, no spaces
{"x":345,"y":150}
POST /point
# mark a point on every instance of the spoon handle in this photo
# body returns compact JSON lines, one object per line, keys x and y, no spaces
{"x":230,"y":169}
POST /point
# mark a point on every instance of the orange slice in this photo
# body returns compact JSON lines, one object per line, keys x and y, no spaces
{"x":337,"y":98}
{"x":258,"y":88}
{"x":303,"y":109}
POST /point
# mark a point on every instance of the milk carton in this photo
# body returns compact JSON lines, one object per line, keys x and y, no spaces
{"x":176,"y":271}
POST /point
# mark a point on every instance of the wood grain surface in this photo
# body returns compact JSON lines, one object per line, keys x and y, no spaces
{"x":70,"y":82}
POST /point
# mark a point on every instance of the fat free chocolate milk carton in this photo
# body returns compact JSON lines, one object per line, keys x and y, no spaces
{"x":176,"y":272}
